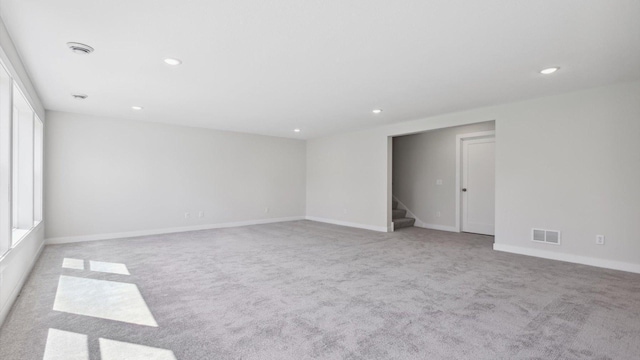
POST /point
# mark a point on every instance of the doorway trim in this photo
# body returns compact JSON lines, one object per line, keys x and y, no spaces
{"x":459,"y":139}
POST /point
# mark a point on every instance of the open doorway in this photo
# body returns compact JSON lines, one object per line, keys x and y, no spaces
{"x":427,"y":176}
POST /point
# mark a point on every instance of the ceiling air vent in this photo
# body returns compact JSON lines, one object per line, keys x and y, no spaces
{"x":79,"y":48}
{"x":546,"y":236}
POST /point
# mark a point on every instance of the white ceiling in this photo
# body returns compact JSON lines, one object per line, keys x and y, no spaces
{"x":268,"y":67}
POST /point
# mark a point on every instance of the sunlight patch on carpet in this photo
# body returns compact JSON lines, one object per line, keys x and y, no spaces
{"x":118,"y":350}
{"x":69,"y":263}
{"x":109,"y":267}
{"x":66,"y":345}
{"x":102,"y":299}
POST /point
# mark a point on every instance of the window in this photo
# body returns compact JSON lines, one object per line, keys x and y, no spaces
{"x":23,"y":166}
{"x":6,"y":107}
{"x":21,"y":160}
{"x":14,"y":169}
{"x":38,"y":177}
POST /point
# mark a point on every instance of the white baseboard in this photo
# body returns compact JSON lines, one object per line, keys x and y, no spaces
{"x":4,"y":311}
{"x":436,"y":227}
{"x":584,"y":260}
{"x":128,"y":234}
{"x":349,"y":224}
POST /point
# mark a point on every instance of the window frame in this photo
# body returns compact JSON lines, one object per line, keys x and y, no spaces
{"x":21,"y":164}
{"x":6,"y":148}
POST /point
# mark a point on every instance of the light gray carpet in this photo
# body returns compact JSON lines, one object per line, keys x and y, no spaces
{"x":305,"y":290}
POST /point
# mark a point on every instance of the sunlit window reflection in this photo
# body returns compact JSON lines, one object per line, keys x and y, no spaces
{"x":108,"y":267}
{"x":102,"y":299}
{"x":118,"y":350}
{"x":66,"y":345}
{"x":69,"y":263}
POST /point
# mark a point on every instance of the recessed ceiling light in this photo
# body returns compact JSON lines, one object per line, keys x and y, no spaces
{"x":550,"y":70}
{"x":137,"y":108}
{"x":79,"y":96}
{"x":297,"y":130}
{"x":377,"y":111}
{"x":78,"y":48}
{"x":173,"y":62}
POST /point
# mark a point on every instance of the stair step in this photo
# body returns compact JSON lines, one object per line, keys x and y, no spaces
{"x":403,"y":223}
{"x":394,"y":204}
{"x":399,"y":213}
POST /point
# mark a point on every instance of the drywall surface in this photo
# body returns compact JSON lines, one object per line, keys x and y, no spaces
{"x":569,"y":162}
{"x":15,"y":267}
{"x":572,"y":163}
{"x":107,"y":176}
{"x":12,"y":61}
{"x":345,"y":183}
{"x":419,"y":161}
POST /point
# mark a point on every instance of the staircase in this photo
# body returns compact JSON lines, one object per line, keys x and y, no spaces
{"x":400,"y":219}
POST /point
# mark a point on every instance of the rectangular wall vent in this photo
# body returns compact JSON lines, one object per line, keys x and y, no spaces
{"x":538,"y":235}
{"x":546,"y":236}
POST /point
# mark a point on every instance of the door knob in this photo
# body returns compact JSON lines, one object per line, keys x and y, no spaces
{"x":464,"y":190}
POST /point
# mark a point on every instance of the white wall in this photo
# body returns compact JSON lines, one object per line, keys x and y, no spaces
{"x":16,"y":264}
{"x":419,"y":160}
{"x":12,"y":61}
{"x":110,"y":178}
{"x":569,"y":162}
{"x":572,"y":163}
{"x":15,"y":267}
{"x":346,"y":182}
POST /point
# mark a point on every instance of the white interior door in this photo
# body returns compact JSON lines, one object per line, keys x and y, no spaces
{"x":478,"y":186}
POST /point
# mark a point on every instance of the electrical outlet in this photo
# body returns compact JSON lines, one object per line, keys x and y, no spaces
{"x":266,"y":210}
{"x":201,"y":214}
{"x":438,"y":213}
{"x":187,"y":215}
{"x":600,"y":239}
{"x":439,"y":182}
